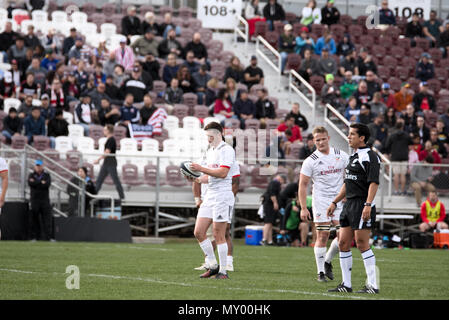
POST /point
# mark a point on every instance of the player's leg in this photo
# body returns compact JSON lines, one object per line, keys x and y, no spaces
{"x":442,"y":225}
{"x":222,"y":246}
{"x":304,"y":230}
{"x":424,"y":227}
{"x":331,"y":252}
{"x":322,"y":235}
{"x":344,"y":243}
{"x":203,"y":221}
{"x":229,"y":259}
{"x":369,"y":260}
{"x":210,"y":236}
{"x":269,"y":218}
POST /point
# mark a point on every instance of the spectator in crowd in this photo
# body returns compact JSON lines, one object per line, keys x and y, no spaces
{"x":71,"y":88}
{"x":56,"y":94}
{"x":124,"y":55}
{"x":41,"y":212}
{"x":46,"y":111}
{"x":433,"y":213}
{"x":40,"y":73}
{"x":85,"y":111}
{"x":50,"y":62}
{"x":443,"y":44}
{"x":26,"y":106}
{"x":414,"y":29}
{"x":409,"y":117}
{"x":425,"y":68}
{"x":365,"y":115}
{"x":362,"y":94}
{"x":286,"y":45}
{"x":304,"y":41}
{"x":99,"y":76}
{"x":234,"y":70}
{"x":12,"y":125}
{"x":308,"y":148}
{"x":111,"y":89}
{"x":271,"y":207}
{"x":349,"y":85}
{"x":69,"y":41}
{"x":326,"y":41}
{"x":186,"y":82}
{"x":417,"y":146}
{"x":330,"y":14}
{"x":437,"y":144}
{"x":272,"y":12}
{"x":330,"y":93}
{"x":421,"y":178}
{"x":429,"y":151}
{"x":433,"y":28}
{"x":403,"y":97}
{"x":107,"y":114}
{"x":131,"y":23}
{"x":252,"y":15}
{"x":147,"y":109}
{"x":198,"y":48}
{"x":365,"y":63}
{"x":311,"y":14}
{"x":16,"y":74}
{"x":145,"y":44}
{"x":292,"y":225}
{"x":376,"y":105}
{"x":149,"y":23}
{"x":344,"y":46}
{"x":28,"y":87}
{"x":138,"y":84}
{"x":119,"y":75}
{"x":244,"y":108}
{"x":397,"y":148}
{"x":387,"y":97}
{"x":264,"y":107}
{"x":31,"y":40}
{"x":200,"y":79}
{"x":309,"y":66}
{"x":29,"y":55}
{"x":231,"y":89}
{"x":17,"y":51}
{"x":34,"y":124}
{"x":32,"y":5}
{"x":129,"y":113}
{"x":109,"y":166}
{"x":386,"y":15}
{"x":423,"y":100}
{"x":371,"y":82}
{"x":352,"y":111}
{"x":349,"y":63}
{"x":443,"y":131}
{"x":7,"y":37}
{"x":57,"y":127}
{"x":421,"y":130}
{"x":190,"y":63}
{"x":167,"y":25}
{"x":289,"y":123}
{"x":74,"y":54}
{"x":81,"y":75}
{"x":152,"y":66}
{"x":223,"y":106}
{"x":327,"y":64}
{"x":253,"y":74}
{"x":173,"y":94}
{"x":300,"y":119}
{"x":73,"y":192}
{"x":109,"y":65}
{"x":170,"y":46}
{"x":379,"y":132}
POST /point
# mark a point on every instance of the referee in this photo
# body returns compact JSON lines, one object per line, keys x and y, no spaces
{"x":359,"y":212}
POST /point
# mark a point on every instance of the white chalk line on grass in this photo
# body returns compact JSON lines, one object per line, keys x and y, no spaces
{"x":182,"y":284}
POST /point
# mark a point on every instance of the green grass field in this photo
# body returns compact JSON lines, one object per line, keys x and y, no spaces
{"x":143,"y":271}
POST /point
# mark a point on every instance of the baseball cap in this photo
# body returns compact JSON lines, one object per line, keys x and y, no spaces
{"x":425,"y":55}
{"x":304,"y":29}
{"x":423,"y":83}
{"x":385,"y":86}
{"x":79,"y":39}
{"x":45,"y":96}
{"x":253,"y":58}
{"x":288,"y":27}
{"x":329,"y":76}
{"x":13,"y":61}
{"x":405,"y":84}
{"x":122,"y":39}
{"x":38,"y":162}
{"x":330,"y":1}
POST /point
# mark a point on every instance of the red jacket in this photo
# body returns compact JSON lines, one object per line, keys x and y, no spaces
{"x":296,"y":132}
{"x":423,"y":154}
{"x":220,"y":106}
{"x":424,"y":215}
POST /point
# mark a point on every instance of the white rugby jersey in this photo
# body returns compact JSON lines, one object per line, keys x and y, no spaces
{"x":3,"y":168}
{"x":326,"y":172}
{"x":221,"y":156}
{"x":235,"y":172}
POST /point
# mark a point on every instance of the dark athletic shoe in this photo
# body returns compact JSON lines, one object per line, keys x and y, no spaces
{"x":340,"y":288}
{"x":321,"y":277}
{"x":328,"y":270}
{"x":220,"y":276}
{"x":209,"y":273}
{"x":368,"y":289}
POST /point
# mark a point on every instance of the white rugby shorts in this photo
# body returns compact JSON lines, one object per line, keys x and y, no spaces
{"x":217,"y":206}
{"x":319,"y":208}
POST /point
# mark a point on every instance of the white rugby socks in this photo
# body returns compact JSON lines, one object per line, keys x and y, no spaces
{"x":320,"y":252}
{"x":346,"y":267}
{"x":332,"y":251}
{"x":229,"y":260}
{"x":208,"y":250}
{"x":369,"y":260}
{"x":222,"y":255}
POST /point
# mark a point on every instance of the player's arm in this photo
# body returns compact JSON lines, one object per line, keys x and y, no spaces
{"x":372,"y":172}
{"x":196,"y":189}
{"x":220,"y":172}
{"x":302,"y":194}
{"x":4,"y":177}
{"x":235,"y":185}
{"x":340,"y":196}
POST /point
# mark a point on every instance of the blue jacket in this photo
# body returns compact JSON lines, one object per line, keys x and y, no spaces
{"x":301,"y":45}
{"x":169,"y":73}
{"x":424,"y":72}
{"x":34,"y":127}
{"x":244,"y":107}
{"x":129,"y":114}
{"x":387,"y":17}
{"x":320,"y":44}
{"x":49,"y":64}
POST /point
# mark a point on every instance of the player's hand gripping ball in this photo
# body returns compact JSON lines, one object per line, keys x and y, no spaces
{"x":187,"y":171}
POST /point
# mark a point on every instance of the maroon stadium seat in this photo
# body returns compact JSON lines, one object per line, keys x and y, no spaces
{"x":73,"y":159}
{"x":261,"y":28}
{"x":275,"y":101}
{"x":444,"y":63}
{"x":356,"y":31}
{"x":403,"y":72}
{"x":190,"y":100}
{"x":160,"y":138}
{"x":407,"y":61}
{"x":346,"y":20}
{"x":150,"y":174}
{"x":18,"y":142}
{"x":404,"y":43}
{"x":200,"y":112}
{"x":415,"y":52}
{"x":436,"y":55}
{"x":232,"y":123}
{"x":387,"y":42}
{"x":361,"y":20}
{"x":278,"y":27}
{"x":174,"y":177}
{"x":434,"y":85}
{"x":383,"y":72}
{"x":130,"y":175}
{"x":317,"y":29}
{"x":375,"y":33}
{"x":252,"y":124}
{"x":441,"y":74}
{"x":367,"y":41}
{"x":395,"y":83}
{"x":41,"y":143}
{"x":165,"y":9}
{"x":145,"y":8}
{"x":392,"y":32}
{"x":272,"y":124}
{"x":422,"y":43}
{"x":441,"y":107}
{"x":272,"y":38}
{"x":397,"y":52}
{"x":96,"y":132}
{"x":180,"y":111}
{"x":119,"y":134}
{"x":338,"y":30}
{"x":293,"y":62}
{"x":317,"y":82}
{"x":89,"y":8}
{"x":185,"y":12}
{"x":290,"y":17}
{"x":378,"y":51}
{"x":414,"y":84}
{"x":281,"y":113}
{"x":297,"y":28}
{"x":258,"y":180}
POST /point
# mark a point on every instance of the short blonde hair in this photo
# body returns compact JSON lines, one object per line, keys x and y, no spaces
{"x":320,"y":129}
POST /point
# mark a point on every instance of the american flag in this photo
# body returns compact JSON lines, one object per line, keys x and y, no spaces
{"x":157,"y":120}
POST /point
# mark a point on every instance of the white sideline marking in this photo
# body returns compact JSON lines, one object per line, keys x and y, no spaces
{"x":201,"y":286}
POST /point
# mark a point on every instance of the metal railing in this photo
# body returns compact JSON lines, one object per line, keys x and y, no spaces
{"x":261,"y":43}
{"x":293,"y":75}
{"x":238,"y":32}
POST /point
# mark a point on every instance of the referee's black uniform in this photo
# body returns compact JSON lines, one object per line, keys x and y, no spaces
{"x":362,"y":170}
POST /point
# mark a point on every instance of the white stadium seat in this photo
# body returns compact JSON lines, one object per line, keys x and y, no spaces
{"x":75,"y":132}
{"x":78,"y":18}
{"x":39,"y":16}
{"x":9,"y":103}
{"x":171,"y":123}
{"x":191,"y":123}
{"x":63,"y":144}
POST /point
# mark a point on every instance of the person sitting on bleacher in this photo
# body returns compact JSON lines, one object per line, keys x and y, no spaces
{"x":330,"y":14}
{"x":131,"y":23}
{"x":31,"y":40}
{"x":192,"y":65}
{"x":109,"y":64}
{"x":129,"y":113}
{"x":28,"y":87}
{"x":264,"y":107}
{"x":186,"y":83}
{"x":69,"y":41}
{"x":168,"y":25}
{"x":71,"y":88}
{"x":18,"y":50}
{"x":386,"y":96}
{"x":111,"y":89}
{"x":223,"y":106}
{"x":365,"y":62}
{"x":34,"y":124}
{"x":119,"y":75}
{"x":443,"y":131}
{"x":433,"y":213}
{"x":349,"y":64}
{"x":170,"y":46}
{"x":424,"y":68}
{"x":403,"y":97}
{"x":386,"y":15}
{"x":173,"y":94}
{"x":56,"y":94}
{"x":124,"y":55}
{"x":138,"y":84}
{"x":7,"y":37}
{"x":201,"y":78}
{"x":49,"y":62}
{"x":289,"y":123}
{"x":309,"y":66}
{"x":12,"y":125}
{"x":149,"y":23}
{"x":444,"y":40}
{"x":372,"y":83}
{"x":147,"y":109}
{"x":152,"y":66}
{"x":74,"y":54}
{"x":253,"y":74}
{"x":308,"y":148}
{"x":437,"y":144}
{"x":198,"y":48}
{"x":107,"y":114}
{"x":345,"y":46}
{"x":231,"y":89}
{"x":429,"y":150}
{"x":304,"y":41}
{"x":287,"y":44}
{"x":81,"y":75}
{"x":145,"y":44}
{"x":349,"y":85}
{"x":57,"y":127}
{"x":414,"y":29}
{"x":362,"y":94}
{"x":433,"y":28}
{"x":26,"y":106}
{"x":327,"y":64}
{"x":99,"y":93}
{"x":423,"y":100}
{"x":273,"y":11}
{"x":300,"y":119}
{"x":352,"y":112}
{"x":32,"y":5}
{"x":244,"y":108}
{"x":46,"y":111}
{"x":234,"y":70}
{"x":84,"y":112}
{"x":40,"y":73}
{"x":326,"y":41}
{"x":311,"y":14}
{"x":330,"y":92}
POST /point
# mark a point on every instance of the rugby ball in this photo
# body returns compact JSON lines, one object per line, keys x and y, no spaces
{"x":186,"y":171}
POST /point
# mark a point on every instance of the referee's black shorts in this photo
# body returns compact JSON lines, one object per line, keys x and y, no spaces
{"x":270,"y":214}
{"x":351,"y":215}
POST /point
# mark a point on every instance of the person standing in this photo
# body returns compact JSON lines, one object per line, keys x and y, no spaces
{"x":359,"y":211}
{"x":41,"y":212}
{"x":109,"y":166}
{"x":271,"y":207}
{"x":325,"y":167}
{"x":4,"y":185}
{"x":73,"y":192}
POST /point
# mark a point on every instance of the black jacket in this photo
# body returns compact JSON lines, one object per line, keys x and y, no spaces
{"x":57,"y":127}
{"x":419,"y":97}
{"x":300,"y":120}
{"x":12,"y":125}
{"x":131,"y":28}
{"x":163,"y":49}
{"x":199,"y":49}
{"x":279,"y":13}
{"x":397,"y":145}
{"x":264,"y":109}
{"x":329,"y":15}
{"x":73,"y":195}
{"x":39,"y":186}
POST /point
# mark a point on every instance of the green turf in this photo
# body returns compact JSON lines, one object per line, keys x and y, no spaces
{"x":143,"y":271}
